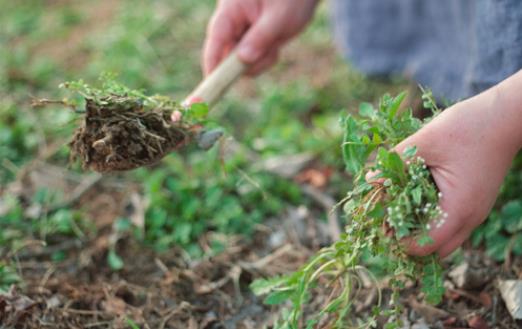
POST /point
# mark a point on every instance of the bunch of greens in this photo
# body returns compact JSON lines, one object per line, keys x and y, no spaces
{"x":110,"y":90}
{"x":124,"y":129}
{"x":400,"y":201}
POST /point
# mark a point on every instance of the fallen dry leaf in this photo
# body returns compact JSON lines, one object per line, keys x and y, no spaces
{"x":477,"y":322}
{"x":485,"y":299}
{"x":429,"y":312}
{"x":317,"y":177}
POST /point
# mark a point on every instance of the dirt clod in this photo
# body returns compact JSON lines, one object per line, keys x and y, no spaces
{"x":118,"y":133}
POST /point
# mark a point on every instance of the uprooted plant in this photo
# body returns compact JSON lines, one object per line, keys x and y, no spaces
{"x":400,"y":202}
{"x":124,"y":129}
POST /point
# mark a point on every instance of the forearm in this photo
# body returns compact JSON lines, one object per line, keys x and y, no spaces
{"x":493,"y":118}
{"x":504,"y":106}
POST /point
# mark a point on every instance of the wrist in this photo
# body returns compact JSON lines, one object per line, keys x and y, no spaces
{"x":503,"y":106}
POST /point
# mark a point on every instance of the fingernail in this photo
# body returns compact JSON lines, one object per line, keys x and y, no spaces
{"x":248,"y":53}
{"x":176,"y":116}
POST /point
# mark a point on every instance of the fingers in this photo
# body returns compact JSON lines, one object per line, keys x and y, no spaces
{"x":176,"y":116}
{"x":421,"y":142}
{"x":223,"y":32}
{"x":454,"y":243}
{"x":192,"y":100}
{"x":258,"y":30}
{"x":448,"y":234}
{"x":260,"y":43}
{"x":266,"y":62}
{"x":441,"y":235}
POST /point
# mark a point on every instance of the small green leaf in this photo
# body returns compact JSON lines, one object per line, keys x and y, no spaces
{"x":511,"y":216}
{"x":517,"y":245}
{"x":58,"y":256}
{"x":198,"y":111}
{"x":391,"y":325}
{"x":264,"y":286}
{"x":310,"y":324}
{"x":122,"y":224}
{"x":424,"y":240}
{"x":366,"y":110}
{"x":114,"y":260}
{"x":432,"y":282}
{"x":401,"y":231}
{"x":376,"y":138}
{"x":410,"y":152}
{"x":496,"y":247}
{"x":395,"y":104}
{"x":396,"y":163}
{"x":333,"y":306}
{"x":278,"y":297}
{"x":349,"y":206}
{"x":132,"y":324}
{"x":354,"y":152}
{"x":477,"y":236}
{"x":377,"y":212}
{"x":416,"y":195}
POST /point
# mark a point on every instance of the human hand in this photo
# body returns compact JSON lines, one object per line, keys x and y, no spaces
{"x":256,"y":28}
{"x":468,"y":149}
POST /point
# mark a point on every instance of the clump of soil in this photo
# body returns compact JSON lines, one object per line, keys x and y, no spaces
{"x":118,"y":133}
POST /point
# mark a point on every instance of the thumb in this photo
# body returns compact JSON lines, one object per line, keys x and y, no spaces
{"x":259,"y":40}
{"x":423,"y":144}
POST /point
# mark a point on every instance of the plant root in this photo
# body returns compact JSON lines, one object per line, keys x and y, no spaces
{"x":119,"y":134}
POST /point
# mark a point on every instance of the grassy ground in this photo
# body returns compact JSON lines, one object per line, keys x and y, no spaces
{"x":176,"y":245}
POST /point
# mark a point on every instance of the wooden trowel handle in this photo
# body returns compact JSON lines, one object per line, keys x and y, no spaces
{"x":217,"y":83}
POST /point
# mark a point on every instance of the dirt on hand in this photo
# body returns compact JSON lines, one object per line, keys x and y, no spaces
{"x":118,"y":133}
